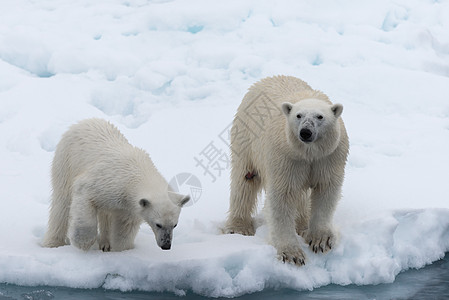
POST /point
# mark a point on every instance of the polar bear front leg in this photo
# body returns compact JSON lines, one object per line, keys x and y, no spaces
{"x":281,"y":215}
{"x":124,"y":228}
{"x":83,"y":222}
{"x":321,"y":236}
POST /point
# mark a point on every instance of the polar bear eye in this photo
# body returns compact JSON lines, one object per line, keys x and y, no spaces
{"x":298,"y":116}
{"x":158,"y":225}
{"x":319,"y":117}
{"x":175,"y":225}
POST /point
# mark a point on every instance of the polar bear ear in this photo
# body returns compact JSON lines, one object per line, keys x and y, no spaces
{"x":184,"y":200}
{"x":144,"y":203}
{"x":287,"y":108}
{"x":178,"y":199}
{"x":337,"y":109}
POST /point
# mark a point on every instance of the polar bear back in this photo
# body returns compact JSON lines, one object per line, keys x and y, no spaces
{"x":278,"y":88}
{"x":90,"y":140}
{"x":97,"y":147}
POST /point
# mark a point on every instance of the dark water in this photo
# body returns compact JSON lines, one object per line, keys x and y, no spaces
{"x":431,"y":282}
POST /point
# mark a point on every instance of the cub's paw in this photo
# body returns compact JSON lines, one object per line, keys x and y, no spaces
{"x":240,"y":226}
{"x":104,"y":246}
{"x":83,"y":237}
{"x":292,"y":254}
{"x":321,"y":240}
{"x":54,"y":242}
{"x":82,"y":243}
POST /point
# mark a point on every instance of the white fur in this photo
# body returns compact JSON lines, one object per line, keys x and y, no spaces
{"x":302,"y":179}
{"x":100,"y":180}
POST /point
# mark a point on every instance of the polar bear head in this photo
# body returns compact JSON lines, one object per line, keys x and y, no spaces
{"x":314,"y":122}
{"x":162,"y":213}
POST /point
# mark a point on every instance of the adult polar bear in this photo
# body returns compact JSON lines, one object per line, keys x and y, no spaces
{"x":100,"y":179}
{"x":290,"y":140}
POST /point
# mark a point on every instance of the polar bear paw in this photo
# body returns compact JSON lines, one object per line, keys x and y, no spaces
{"x":54,"y":242}
{"x":292,"y":254}
{"x":104,"y":245}
{"x":240,"y":226}
{"x":321,"y":240}
{"x":83,"y":237}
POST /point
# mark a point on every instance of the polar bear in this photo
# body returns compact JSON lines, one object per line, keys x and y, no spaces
{"x":101,"y":181}
{"x":291,"y":141}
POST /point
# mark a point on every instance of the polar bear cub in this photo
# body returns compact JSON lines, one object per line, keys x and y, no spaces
{"x":291,"y":141}
{"x":101,"y":183}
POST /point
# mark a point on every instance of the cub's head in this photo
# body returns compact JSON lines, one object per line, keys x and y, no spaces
{"x":162,"y":214}
{"x":311,"y":120}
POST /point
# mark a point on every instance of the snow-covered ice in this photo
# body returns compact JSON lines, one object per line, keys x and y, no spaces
{"x":170,"y":75}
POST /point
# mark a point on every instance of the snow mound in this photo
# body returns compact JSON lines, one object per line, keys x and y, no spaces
{"x":369,"y":252}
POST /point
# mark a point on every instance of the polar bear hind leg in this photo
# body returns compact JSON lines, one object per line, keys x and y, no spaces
{"x":245,"y":185}
{"x":58,"y":224}
{"x":104,"y":224}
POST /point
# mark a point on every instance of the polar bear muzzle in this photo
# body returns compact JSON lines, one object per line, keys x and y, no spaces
{"x":306,"y":135}
{"x":164,"y":236}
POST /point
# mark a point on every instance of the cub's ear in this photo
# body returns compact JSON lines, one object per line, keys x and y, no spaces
{"x":337,"y":109}
{"x":178,"y":199}
{"x":144,"y":203}
{"x":287,"y":108}
{"x":184,"y":200}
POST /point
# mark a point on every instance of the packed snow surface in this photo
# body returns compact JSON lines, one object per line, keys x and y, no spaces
{"x":170,"y":75}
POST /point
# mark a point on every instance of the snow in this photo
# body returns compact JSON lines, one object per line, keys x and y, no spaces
{"x":170,"y":75}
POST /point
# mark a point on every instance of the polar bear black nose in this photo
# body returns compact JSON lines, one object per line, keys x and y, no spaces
{"x":166,"y":246}
{"x":305,"y":134}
